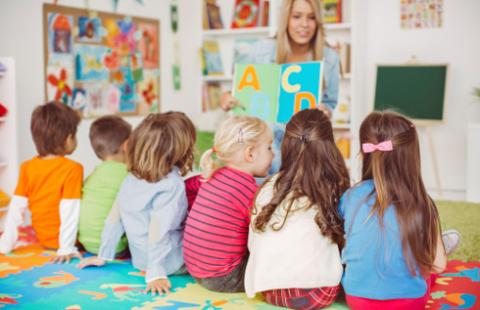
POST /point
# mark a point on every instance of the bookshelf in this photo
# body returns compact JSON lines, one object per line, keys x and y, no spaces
{"x":347,"y":115}
{"x":8,"y":130}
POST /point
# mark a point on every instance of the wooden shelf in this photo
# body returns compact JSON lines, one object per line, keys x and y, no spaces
{"x":341,"y":126}
{"x":233,"y":32}
{"x":217,"y":78}
{"x":337,"y":26}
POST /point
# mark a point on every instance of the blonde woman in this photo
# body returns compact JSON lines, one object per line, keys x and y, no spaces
{"x":151,"y":205}
{"x":300,"y":38}
{"x":216,"y":231}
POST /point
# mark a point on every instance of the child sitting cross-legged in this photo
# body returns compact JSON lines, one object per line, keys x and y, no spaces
{"x":296,"y":230}
{"x":215,"y":244}
{"x":151,"y":205}
{"x":108,"y":136}
{"x":49,"y":184}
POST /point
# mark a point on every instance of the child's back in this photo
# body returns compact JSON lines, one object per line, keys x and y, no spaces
{"x":108,"y":137}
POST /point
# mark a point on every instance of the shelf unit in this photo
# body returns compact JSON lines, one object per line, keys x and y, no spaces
{"x":8,"y":129}
{"x":349,"y":91}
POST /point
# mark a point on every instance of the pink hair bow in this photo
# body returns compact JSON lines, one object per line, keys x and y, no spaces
{"x":385,"y":146}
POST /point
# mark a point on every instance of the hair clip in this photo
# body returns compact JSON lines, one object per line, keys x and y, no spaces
{"x":385,"y":146}
{"x":214,"y":150}
{"x":240,"y":136}
{"x":304,"y":138}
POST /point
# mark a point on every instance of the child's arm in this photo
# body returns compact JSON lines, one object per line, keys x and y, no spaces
{"x":111,"y":234}
{"x":440,"y":262}
{"x":69,"y":216}
{"x":14,"y":218}
{"x":167,"y":214}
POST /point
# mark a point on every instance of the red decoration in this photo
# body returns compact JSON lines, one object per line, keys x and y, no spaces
{"x":3,"y":110}
{"x":61,"y":84}
{"x":149,"y":94}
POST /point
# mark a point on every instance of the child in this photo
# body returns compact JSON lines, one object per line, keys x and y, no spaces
{"x":296,"y":230}
{"x":49,"y":184}
{"x":108,"y":136}
{"x":215,"y":244}
{"x":392,"y":228}
{"x":151,"y":205}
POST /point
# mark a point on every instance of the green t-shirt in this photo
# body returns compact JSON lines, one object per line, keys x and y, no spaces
{"x":99,"y":192}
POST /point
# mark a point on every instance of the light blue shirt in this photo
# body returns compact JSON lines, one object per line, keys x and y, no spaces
{"x":152,"y":215}
{"x":375,"y":265}
{"x":263,"y":52}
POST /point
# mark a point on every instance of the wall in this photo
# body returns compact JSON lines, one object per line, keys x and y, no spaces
{"x":21,"y":34}
{"x":456,"y":43}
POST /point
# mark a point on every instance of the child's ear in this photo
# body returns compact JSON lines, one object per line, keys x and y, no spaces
{"x":124,"y":147}
{"x":249,"y":154}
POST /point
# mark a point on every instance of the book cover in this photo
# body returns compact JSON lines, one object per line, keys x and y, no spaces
{"x":264,"y":13}
{"x":213,"y":60}
{"x":332,"y":11}
{"x":275,"y":92}
{"x":214,"y":93}
{"x":214,"y":16}
{"x":245,"y":13}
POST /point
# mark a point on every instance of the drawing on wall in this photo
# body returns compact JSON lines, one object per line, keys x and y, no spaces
{"x":417,"y":14}
{"x":101,"y":63}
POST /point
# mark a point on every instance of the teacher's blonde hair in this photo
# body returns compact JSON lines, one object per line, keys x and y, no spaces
{"x":284,"y":49}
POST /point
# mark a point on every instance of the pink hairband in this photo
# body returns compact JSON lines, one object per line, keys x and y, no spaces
{"x":385,"y":146}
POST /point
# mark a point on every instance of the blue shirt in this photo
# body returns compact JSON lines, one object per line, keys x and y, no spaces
{"x":152,"y":215}
{"x":263,"y":52}
{"x":375,"y":265}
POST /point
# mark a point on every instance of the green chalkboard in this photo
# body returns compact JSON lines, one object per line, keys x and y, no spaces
{"x":417,"y":91}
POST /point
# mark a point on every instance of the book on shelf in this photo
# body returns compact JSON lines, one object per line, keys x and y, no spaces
{"x":212,"y":18}
{"x":243,"y":50}
{"x":211,"y":94}
{"x":344,"y":53}
{"x":212,"y":58}
{"x":332,"y":11}
{"x":276,"y":92}
{"x":343,"y":144}
{"x":264,"y":13}
{"x":341,"y":114}
{"x":246,"y":13}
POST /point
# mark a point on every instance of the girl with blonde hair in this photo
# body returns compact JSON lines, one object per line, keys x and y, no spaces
{"x":215,"y":238}
{"x":151,"y":205}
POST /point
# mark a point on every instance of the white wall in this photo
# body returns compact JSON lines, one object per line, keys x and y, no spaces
{"x":456,"y":43}
{"x":21,"y":37}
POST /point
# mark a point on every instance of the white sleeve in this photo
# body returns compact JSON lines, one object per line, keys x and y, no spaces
{"x":69,"y":217}
{"x":13,"y":219}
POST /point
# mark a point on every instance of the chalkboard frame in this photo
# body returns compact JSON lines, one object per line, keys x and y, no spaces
{"x":422,"y":121}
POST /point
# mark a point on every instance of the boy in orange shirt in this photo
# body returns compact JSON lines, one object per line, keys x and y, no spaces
{"x":49,"y":184}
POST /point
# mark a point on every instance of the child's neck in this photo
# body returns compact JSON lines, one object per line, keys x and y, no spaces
{"x":119,"y":158}
{"x":50,"y":156}
{"x":241,"y":167}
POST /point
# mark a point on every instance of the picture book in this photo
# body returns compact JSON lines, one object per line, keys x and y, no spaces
{"x":213,"y":60}
{"x":332,"y":11}
{"x":264,"y":13}
{"x":214,"y":17}
{"x":246,"y":13}
{"x":275,"y":92}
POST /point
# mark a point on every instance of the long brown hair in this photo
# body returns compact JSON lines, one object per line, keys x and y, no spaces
{"x":312,"y":167}
{"x":284,"y":48}
{"x":398,"y":182}
{"x":160,"y":142}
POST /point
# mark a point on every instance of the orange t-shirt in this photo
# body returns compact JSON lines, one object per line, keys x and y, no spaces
{"x":45,"y":182}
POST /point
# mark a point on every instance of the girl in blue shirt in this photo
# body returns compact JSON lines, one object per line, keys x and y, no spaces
{"x":392,"y":227}
{"x":151,"y":205}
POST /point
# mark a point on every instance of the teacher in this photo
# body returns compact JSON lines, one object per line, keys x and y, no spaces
{"x":300,"y":38}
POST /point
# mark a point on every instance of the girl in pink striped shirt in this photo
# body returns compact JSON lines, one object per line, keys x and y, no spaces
{"x":216,"y":232}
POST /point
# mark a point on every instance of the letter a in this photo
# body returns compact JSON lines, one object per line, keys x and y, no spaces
{"x":252,"y":81}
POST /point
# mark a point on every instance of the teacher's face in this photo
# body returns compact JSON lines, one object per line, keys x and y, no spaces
{"x":302,"y":24}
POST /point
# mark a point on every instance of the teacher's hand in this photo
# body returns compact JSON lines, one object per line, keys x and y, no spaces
{"x":227,"y":101}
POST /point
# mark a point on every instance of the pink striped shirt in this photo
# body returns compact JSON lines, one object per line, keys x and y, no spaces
{"x":216,"y":231}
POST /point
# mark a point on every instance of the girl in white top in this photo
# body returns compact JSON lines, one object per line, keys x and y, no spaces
{"x":295,"y":230}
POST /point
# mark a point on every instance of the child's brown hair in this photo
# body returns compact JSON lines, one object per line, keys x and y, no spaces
{"x":398,"y":182}
{"x":160,"y":142}
{"x":107,"y":135}
{"x":51,"y":125}
{"x":312,"y":167}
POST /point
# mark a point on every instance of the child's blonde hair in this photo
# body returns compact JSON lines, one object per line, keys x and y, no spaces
{"x":160,"y":142}
{"x":233,"y":134}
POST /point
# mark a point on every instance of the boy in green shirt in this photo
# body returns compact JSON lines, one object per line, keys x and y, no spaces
{"x":108,"y":136}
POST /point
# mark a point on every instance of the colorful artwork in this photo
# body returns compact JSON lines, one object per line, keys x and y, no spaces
{"x":60,"y":33}
{"x":147,"y":45}
{"x":276,"y":92}
{"x":89,"y":29}
{"x":101,"y":63}
{"x":416,"y":14}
